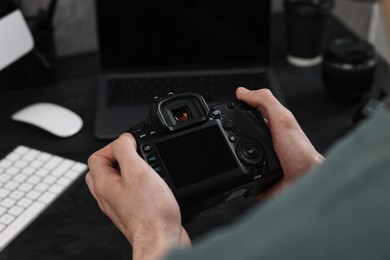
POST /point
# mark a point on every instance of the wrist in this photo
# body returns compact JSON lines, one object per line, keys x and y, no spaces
{"x":155,"y":243}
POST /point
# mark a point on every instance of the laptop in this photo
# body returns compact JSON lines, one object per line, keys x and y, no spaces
{"x":150,"y":48}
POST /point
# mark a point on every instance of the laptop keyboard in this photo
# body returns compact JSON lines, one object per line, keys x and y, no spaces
{"x":133,"y":91}
{"x":30,"y":181}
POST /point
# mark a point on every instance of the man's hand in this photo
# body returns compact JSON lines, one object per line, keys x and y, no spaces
{"x":136,"y":199}
{"x":295,"y":152}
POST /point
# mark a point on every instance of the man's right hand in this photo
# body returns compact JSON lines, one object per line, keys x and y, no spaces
{"x":296,"y":153}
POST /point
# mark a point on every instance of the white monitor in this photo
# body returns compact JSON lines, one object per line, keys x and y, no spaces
{"x":15,"y":37}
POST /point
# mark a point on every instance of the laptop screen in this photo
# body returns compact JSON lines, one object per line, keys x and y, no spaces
{"x":158,"y":35}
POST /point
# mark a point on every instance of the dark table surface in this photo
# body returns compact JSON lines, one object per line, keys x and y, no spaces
{"x":73,"y":227}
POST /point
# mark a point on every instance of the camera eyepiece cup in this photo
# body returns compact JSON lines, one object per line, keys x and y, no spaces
{"x":183,"y":110}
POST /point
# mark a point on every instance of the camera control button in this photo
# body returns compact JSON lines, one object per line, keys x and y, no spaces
{"x":216,"y":113}
{"x":228,"y":125}
{"x":231,"y":105}
{"x":237,"y":132}
{"x":146,"y":148}
{"x":142,"y":136}
{"x":151,"y":158}
{"x":232,"y":138}
{"x":249,"y":152}
{"x":157,"y":169}
{"x":153,"y":133}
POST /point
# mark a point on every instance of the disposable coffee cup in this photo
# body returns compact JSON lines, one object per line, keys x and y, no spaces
{"x":306,"y":30}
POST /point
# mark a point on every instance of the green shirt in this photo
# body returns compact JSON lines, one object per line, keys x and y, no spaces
{"x":340,"y":210}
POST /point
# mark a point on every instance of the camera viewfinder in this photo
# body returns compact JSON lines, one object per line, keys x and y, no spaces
{"x":181,"y":114}
{"x":181,"y":111}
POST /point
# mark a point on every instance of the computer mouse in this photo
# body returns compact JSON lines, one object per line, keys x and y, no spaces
{"x":53,"y":118}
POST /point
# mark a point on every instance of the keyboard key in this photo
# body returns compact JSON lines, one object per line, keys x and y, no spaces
{"x":56,"y":188}
{"x":13,"y":157}
{"x":26,"y":187}
{"x":7,"y":202}
{"x":42,"y":172}
{"x":47,"y":197}
{"x":19,"y":178}
{"x":21,"y":150}
{"x":63,"y":181}
{"x":49,"y":180}
{"x":16,"y":210}
{"x":5,"y":163}
{"x":33,"y":194}
{"x":62,"y":168}
{"x":72,"y":174}
{"x":29,"y":170}
{"x":30,"y":155}
{"x":79,"y":167}
{"x":4,"y":178}
{"x":16,"y":195}
{"x":36,"y":164}
{"x":11,"y":185}
{"x":21,"y":164}
{"x":4,"y":193}
{"x":34,"y":179}
{"x":12,"y":170}
{"x":41,"y":187}
{"x":52,"y":163}
{"x":44,"y":157}
{"x":2,"y":210}
{"x":25,"y":202}
{"x":6,"y":219}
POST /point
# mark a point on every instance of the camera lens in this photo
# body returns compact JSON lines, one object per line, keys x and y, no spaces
{"x":181,"y":114}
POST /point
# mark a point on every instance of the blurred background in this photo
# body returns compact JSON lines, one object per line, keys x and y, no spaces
{"x":75,"y":25}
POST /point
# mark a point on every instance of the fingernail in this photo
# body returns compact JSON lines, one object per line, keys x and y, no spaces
{"x":244,"y":90}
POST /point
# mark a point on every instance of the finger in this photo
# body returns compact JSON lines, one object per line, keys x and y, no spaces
{"x":89,"y":181}
{"x":91,"y":186}
{"x":102,"y":157}
{"x":103,"y":176}
{"x":125,"y":151}
{"x":261,"y":98}
{"x":267,"y":103}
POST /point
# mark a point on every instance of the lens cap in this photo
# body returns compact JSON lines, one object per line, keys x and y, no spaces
{"x":349,"y":50}
{"x":348,"y":68}
{"x":309,"y":7}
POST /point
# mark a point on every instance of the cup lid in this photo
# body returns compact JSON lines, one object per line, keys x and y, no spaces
{"x":309,"y":7}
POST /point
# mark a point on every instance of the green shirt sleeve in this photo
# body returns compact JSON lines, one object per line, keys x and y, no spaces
{"x":340,"y":210}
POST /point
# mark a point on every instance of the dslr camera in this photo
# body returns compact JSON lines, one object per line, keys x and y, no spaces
{"x":207,"y":155}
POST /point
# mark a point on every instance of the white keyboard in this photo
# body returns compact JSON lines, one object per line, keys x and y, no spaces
{"x":30,"y":180}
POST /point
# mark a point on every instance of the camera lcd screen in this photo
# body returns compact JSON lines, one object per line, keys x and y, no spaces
{"x":196,"y":156}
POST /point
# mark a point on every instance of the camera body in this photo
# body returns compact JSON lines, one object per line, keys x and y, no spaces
{"x":207,"y":155}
